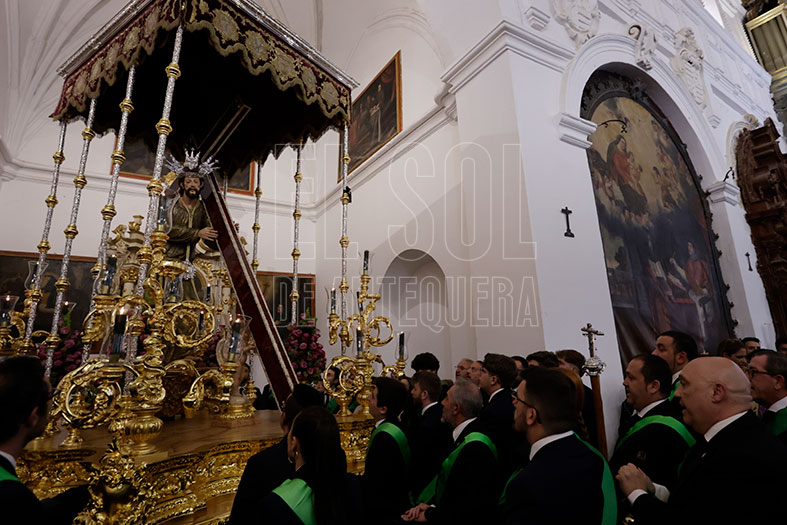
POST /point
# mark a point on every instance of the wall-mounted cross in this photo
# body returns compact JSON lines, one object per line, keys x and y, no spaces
{"x":567,"y":212}
{"x":748,"y":260}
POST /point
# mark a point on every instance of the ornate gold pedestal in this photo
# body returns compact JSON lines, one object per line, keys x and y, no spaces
{"x":191,"y":479}
{"x":354,"y":432}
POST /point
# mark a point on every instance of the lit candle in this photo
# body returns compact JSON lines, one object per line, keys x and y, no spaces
{"x":401,"y":346}
{"x":333,"y":299}
{"x":201,"y":321}
{"x":366,"y":260}
{"x":237,"y":324}
{"x":359,"y":341}
{"x":5,"y":311}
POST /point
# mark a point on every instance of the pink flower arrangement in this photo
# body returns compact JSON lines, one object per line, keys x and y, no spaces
{"x":67,"y":356}
{"x":305,"y":350}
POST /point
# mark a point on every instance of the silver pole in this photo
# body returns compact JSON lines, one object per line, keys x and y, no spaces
{"x":118,"y":157}
{"x":155,"y":187}
{"x":344,"y":287}
{"x":256,"y":228}
{"x":62,"y":284}
{"x":296,"y":253}
{"x":43,"y":246}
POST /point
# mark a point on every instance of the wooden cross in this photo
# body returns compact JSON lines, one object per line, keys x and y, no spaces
{"x":748,"y":260}
{"x":567,"y":212}
{"x":591,"y":333}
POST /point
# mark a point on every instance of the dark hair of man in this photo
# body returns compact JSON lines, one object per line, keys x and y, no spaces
{"x":426,"y":361}
{"x":318,"y":435}
{"x":728,"y":347}
{"x":572,"y":357}
{"x":748,"y":339}
{"x":775,"y":362}
{"x":430,"y":383}
{"x":22,"y":388}
{"x":683,"y":343}
{"x":780,"y":341}
{"x":655,"y":368}
{"x":521,"y":360}
{"x":501,"y":366}
{"x":553,"y":395}
{"x":392,"y":394}
{"x":303,"y":396}
{"x":544,"y":358}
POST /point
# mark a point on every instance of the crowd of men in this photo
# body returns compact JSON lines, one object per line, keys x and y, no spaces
{"x":507,"y":441}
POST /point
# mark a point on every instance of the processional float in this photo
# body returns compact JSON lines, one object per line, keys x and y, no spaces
{"x":219,"y":54}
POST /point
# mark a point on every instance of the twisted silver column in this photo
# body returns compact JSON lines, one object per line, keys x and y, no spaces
{"x":43,"y":246}
{"x":296,"y":253}
{"x":344,"y":241}
{"x":155,"y":186}
{"x":256,"y":228}
{"x":62,"y":284}
{"x":108,"y":212}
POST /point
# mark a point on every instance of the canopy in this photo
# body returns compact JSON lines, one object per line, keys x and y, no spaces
{"x":233,"y":55}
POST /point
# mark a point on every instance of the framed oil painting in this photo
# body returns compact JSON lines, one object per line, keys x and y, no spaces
{"x":276,"y":288}
{"x":140,"y":159}
{"x":662,"y":263}
{"x":13,"y":272}
{"x":376,"y":114}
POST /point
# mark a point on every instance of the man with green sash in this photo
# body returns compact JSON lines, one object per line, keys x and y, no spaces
{"x":567,"y":481}
{"x":734,"y":448}
{"x":768,"y":373}
{"x":24,"y":410}
{"x":466,"y":488}
{"x":657,"y":441}
{"x":386,"y":478}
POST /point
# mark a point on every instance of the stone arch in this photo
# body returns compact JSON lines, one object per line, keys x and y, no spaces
{"x":414,"y":297}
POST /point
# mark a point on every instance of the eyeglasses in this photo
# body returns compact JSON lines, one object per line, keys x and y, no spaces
{"x":517,"y":398}
{"x":753,"y":372}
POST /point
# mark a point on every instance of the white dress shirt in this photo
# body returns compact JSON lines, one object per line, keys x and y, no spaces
{"x":11,"y":459}
{"x":427,"y":407}
{"x":782,"y":403}
{"x":641,"y":413}
{"x":541,"y":443}
{"x":460,"y":427}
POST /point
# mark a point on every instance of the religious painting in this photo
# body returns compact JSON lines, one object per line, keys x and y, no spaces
{"x":276,"y":288}
{"x":376,"y":114}
{"x":661,"y":261}
{"x":13,"y":272}
{"x":140,"y":159}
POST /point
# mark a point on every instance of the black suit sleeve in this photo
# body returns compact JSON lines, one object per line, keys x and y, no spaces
{"x":385,"y":480}
{"x":19,"y":505}
{"x":472,"y":489}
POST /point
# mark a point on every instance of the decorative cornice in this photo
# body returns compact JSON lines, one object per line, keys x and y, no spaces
{"x":575,"y":130}
{"x":536,"y":18}
{"x":724,"y":191}
{"x":502,"y":38}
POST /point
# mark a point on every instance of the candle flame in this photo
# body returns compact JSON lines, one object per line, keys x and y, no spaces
{"x":122,"y":311}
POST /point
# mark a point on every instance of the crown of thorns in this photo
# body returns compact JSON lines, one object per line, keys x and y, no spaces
{"x":192,"y":164}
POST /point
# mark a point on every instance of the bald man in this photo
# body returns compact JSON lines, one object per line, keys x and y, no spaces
{"x":735,"y":448}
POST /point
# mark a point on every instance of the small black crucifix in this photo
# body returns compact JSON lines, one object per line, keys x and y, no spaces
{"x":748,"y":260}
{"x":567,"y":212}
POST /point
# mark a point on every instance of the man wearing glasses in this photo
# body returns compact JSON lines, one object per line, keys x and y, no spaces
{"x":545,"y":411}
{"x":768,"y":373}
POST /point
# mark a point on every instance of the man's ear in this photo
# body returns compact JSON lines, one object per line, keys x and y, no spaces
{"x":682,"y":358}
{"x":654,"y":386}
{"x":33,"y":418}
{"x":719,"y":392}
{"x":383,"y":410}
{"x":780,"y":382}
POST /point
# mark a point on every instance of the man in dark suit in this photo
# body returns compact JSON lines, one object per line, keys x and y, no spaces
{"x":430,"y":436}
{"x":269,"y":468}
{"x":768,"y":375}
{"x":677,"y":349}
{"x":497,"y":416}
{"x":386,"y":478}
{"x":466,"y":490}
{"x":736,"y":448}
{"x":560,"y":464}
{"x":657,"y":441}
{"x":24,"y":408}
{"x":572,"y":360}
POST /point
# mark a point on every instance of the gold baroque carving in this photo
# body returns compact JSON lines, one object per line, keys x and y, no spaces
{"x":225,"y":25}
